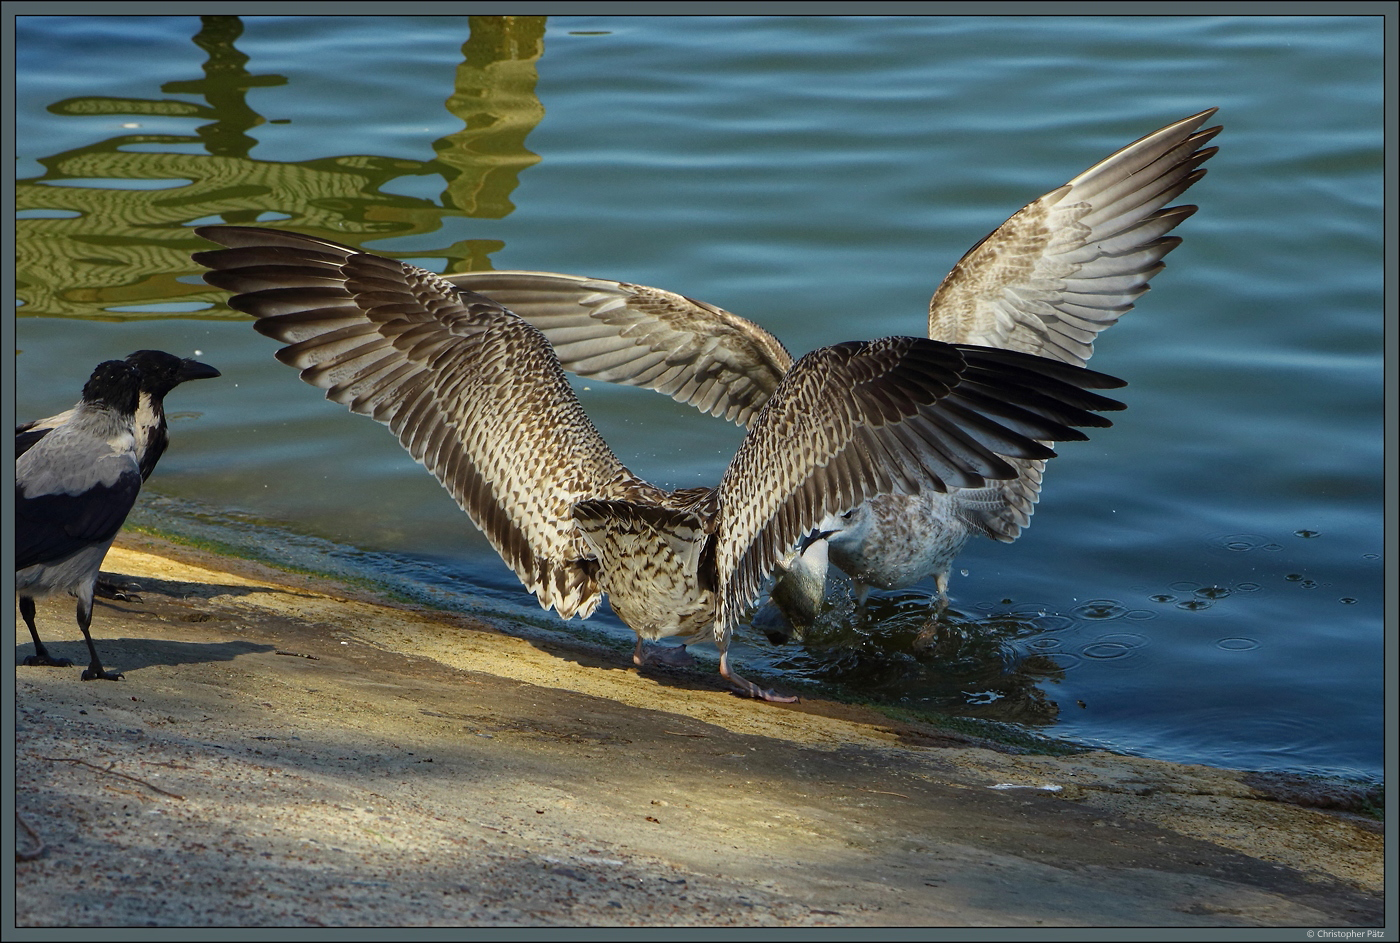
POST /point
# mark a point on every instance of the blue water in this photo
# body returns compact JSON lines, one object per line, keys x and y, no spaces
{"x":1203,"y":582}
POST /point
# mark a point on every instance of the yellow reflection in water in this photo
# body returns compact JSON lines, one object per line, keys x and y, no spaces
{"x":106,"y":225}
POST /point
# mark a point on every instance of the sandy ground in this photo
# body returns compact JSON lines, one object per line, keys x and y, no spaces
{"x":286,"y":751}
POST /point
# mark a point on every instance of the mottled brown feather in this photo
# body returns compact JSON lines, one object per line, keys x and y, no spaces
{"x":617,"y":332}
{"x":477,"y":395}
{"x":459,"y":380}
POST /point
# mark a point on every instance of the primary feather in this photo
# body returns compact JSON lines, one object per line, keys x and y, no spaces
{"x":478,"y":396}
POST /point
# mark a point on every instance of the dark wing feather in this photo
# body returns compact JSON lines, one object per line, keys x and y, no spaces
{"x":49,"y":527}
{"x":898,"y":415}
{"x":1061,"y":270}
{"x":470,"y":390}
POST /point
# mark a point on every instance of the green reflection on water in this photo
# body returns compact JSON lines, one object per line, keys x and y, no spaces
{"x":127,"y":245}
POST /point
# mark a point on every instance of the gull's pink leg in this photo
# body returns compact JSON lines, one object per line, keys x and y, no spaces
{"x":746,"y":687}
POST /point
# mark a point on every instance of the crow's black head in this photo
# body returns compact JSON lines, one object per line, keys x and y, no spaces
{"x":162,"y":372}
{"x":114,"y":385}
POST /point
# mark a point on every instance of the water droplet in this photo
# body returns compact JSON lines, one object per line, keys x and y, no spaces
{"x":1162,"y":597}
{"x":1213,"y":592}
{"x":1305,"y":533}
{"x":1347,"y":601}
{"x":1195,"y":605}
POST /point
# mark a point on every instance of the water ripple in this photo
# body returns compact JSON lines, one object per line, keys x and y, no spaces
{"x":1100,"y":610}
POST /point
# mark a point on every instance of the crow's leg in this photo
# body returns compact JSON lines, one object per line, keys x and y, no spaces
{"x":94,"y":669}
{"x":41,"y":654}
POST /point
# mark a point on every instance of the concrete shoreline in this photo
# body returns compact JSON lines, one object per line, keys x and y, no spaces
{"x":289,"y":751}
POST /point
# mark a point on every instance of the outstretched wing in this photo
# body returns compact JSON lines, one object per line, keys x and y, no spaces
{"x":898,"y":415}
{"x":1045,"y":282}
{"x":473,"y":392}
{"x":694,"y":352}
{"x":1066,"y":266}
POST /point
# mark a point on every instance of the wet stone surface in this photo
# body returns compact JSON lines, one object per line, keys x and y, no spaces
{"x":286,"y":751}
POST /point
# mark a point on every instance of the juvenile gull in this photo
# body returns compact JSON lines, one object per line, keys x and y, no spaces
{"x":73,"y":491}
{"x":477,"y":395}
{"x":1045,"y":282}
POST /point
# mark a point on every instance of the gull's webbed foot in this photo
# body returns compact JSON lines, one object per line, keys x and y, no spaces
{"x":669,"y":656}
{"x":743,"y":686}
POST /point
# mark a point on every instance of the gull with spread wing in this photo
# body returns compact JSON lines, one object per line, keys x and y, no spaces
{"x":1045,"y":282}
{"x":477,"y":395}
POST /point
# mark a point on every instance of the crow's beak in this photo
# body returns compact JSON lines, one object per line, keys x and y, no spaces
{"x":194,"y":370}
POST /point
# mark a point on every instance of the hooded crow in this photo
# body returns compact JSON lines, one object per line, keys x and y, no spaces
{"x":73,"y":491}
{"x":160,"y":373}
